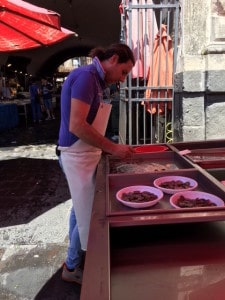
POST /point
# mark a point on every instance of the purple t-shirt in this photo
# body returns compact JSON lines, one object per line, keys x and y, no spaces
{"x":86,"y":84}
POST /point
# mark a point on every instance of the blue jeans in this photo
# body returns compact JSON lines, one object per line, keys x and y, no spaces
{"x":74,"y":250}
{"x":48,"y":103}
{"x":73,"y":258}
{"x":36,"y":110}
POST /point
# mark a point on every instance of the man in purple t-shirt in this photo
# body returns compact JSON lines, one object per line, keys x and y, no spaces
{"x":84,"y":117}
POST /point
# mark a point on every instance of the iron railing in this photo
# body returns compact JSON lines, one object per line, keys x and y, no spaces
{"x":150,"y":28}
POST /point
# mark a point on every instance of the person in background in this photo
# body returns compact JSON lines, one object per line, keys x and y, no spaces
{"x":46,"y":92}
{"x":84,"y":118}
{"x":6,"y":92}
{"x":35,"y":99}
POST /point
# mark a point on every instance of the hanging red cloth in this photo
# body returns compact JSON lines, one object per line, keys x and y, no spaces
{"x":161,"y":73}
{"x":140,"y":27}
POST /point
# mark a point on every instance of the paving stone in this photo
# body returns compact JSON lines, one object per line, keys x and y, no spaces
{"x":34,"y":210}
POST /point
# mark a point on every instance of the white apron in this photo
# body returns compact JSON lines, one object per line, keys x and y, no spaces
{"x":79,"y":162}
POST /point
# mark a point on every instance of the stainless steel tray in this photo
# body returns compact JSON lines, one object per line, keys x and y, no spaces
{"x":115,"y":183}
{"x":147,"y":162}
{"x":218,"y":173}
{"x":199,"y":145}
{"x":208,"y":158}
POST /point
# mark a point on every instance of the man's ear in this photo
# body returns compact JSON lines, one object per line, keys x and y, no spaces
{"x":113,"y":59}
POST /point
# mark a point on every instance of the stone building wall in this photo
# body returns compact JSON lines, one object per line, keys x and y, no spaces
{"x":200,"y":77}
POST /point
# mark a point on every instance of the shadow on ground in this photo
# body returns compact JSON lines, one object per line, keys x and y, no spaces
{"x":55,"y":286}
{"x":31,"y":256}
{"x":26,"y":134}
{"x":30,"y":188}
{"x":43,"y":133}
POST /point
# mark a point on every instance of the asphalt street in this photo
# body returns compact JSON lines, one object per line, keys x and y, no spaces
{"x":34,"y":210}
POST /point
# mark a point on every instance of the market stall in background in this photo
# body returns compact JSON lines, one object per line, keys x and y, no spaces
{"x":23,"y":27}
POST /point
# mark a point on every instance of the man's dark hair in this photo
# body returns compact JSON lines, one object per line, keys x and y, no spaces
{"x":122,"y":50}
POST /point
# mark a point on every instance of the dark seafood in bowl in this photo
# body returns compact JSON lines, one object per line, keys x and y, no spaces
{"x":175,"y":184}
{"x":137,"y":196}
{"x":195,"y":199}
{"x":183,"y":202}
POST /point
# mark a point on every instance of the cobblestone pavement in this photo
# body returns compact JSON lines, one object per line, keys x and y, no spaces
{"x":34,"y":210}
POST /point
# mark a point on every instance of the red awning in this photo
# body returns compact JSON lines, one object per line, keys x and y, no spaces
{"x":25,"y":26}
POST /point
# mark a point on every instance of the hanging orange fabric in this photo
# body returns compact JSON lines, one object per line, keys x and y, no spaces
{"x":161,"y":73}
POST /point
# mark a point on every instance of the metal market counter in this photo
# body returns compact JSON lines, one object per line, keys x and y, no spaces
{"x":160,"y":252}
{"x":8,"y":116}
{"x":11,"y":111}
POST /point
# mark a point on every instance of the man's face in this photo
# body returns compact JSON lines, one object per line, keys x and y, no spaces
{"x":118,"y":72}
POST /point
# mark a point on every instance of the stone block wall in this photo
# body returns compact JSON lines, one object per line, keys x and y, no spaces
{"x":199,"y":104}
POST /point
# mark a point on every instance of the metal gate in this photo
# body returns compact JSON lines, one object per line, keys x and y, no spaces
{"x":150,"y":28}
